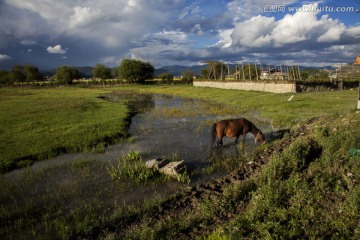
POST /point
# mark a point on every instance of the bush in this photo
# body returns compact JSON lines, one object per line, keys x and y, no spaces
{"x":135,"y":71}
{"x":166,"y":78}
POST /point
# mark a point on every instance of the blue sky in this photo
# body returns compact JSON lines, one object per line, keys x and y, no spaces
{"x":50,"y":33}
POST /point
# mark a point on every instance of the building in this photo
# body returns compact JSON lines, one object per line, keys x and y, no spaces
{"x":350,"y":71}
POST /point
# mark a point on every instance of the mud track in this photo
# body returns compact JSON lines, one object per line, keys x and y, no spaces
{"x":189,"y":201}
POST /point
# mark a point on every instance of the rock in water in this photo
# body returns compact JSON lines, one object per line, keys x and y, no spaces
{"x":172,"y":169}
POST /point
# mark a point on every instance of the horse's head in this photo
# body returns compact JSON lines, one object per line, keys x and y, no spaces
{"x":260,"y":137}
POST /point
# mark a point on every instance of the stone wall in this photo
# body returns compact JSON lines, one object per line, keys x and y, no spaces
{"x":325,"y":86}
{"x":255,"y":86}
{"x":279,"y":87}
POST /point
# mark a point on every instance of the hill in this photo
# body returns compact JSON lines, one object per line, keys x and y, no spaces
{"x":178,"y":70}
{"x":85,"y":72}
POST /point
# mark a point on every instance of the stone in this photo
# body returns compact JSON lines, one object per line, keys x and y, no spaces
{"x":150,"y":163}
{"x":172,"y":169}
{"x":156,"y":163}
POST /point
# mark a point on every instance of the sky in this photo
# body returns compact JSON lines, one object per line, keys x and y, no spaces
{"x":51,"y":33}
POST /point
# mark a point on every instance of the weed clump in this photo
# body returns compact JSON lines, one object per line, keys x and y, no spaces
{"x":132,"y":167}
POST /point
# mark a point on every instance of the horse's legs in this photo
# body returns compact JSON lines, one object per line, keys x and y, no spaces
{"x":243,"y":138}
{"x":219,"y":142}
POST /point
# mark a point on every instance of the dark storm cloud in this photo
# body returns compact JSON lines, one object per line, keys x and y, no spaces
{"x":51,"y":33}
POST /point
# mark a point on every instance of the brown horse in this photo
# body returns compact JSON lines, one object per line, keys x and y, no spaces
{"x":235,"y":128}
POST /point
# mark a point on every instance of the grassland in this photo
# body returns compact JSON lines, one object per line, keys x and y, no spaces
{"x":299,"y":194}
{"x":37,"y":124}
{"x":274,"y":107}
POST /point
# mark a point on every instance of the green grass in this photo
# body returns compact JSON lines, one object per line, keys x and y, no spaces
{"x":36,"y":124}
{"x":132,"y":167}
{"x":271,"y":106}
{"x":297,"y":196}
{"x":309,"y":191}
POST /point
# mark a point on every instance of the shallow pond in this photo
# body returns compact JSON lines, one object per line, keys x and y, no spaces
{"x":164,"y":126}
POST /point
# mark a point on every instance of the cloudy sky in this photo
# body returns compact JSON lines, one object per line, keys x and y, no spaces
{"x":50,"y":33}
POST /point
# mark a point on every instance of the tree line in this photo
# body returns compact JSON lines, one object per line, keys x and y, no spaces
{"x":137,"y":71}
{"x":132,"y":70}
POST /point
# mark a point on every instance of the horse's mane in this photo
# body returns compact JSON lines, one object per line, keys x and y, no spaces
{"x":253,"y":129}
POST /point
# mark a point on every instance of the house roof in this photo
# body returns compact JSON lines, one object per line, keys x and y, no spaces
{"x":357,"y":60}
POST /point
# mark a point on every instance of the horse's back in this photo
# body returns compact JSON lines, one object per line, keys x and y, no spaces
{"x":232,"y":127}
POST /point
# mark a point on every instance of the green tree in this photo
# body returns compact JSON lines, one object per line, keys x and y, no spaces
{"x":17,"y":74}
{"x":5,"y":77}
{"x":167,"y":77}
{"x":135,"y":71}
{"x":32,"y":73}
{"x":215,"y":70}
{"x":304,"y":75}
{"x":102,"y":72}
{"x":249,"y":75}
{"x":323,"y":75}
{"x":66,"y":75}
{"x":204,"y":73}
{"x":187,"y":76}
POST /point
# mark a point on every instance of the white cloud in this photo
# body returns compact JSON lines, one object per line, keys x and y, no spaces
{"x":225,"y":38}
{"x":168,"y":47}
{"x":245,"y":9}
{"x":172,"y":32}
{"x":333,"y":34}
{"x":56,"y":50}
{"x":254,"y":32}
{"x":107,"y":22}
{"x":173,"y":36}
{"x":301,"y":27}
{"x":197,"y":30}
{"x":4,"y":57}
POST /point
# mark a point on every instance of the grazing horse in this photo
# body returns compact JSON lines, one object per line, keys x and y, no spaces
{"x":235,"y":128}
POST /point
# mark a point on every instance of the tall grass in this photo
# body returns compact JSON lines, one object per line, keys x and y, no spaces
{"x":309,"y":191}
{"x":132,"y":167}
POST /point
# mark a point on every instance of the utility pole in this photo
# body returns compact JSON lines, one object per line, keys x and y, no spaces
{"x":358,"y":105}
{"x":243,"y":73}
{"x":221,"y":70}
{"x":257,"y":75}
{"x":249,"y":71}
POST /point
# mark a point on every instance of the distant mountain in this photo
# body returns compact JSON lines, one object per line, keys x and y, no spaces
{"x":85,"y":72}
{"x":178,"y":70}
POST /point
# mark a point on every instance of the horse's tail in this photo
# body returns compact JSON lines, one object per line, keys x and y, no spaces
{"x":212,"y":137}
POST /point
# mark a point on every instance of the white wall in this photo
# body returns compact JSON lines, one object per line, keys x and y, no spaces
{"x":255,"y":86}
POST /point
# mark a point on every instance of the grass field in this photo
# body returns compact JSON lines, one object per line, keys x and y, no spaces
{"x":272,"y":106}
{"x":36,"y":124}
{"x":297,"y":195}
